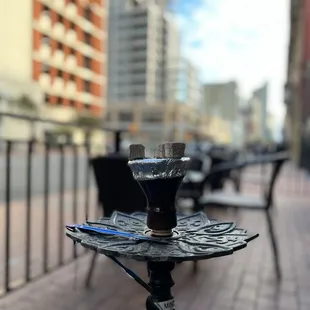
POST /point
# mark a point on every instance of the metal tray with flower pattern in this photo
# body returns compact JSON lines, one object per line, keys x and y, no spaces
{"x":195,"y":238}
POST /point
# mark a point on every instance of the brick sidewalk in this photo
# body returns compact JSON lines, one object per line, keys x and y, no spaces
{"x":18,"y":229}
{"x":242,"y":281}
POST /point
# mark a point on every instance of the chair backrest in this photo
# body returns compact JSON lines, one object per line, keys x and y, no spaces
{"x":117,"y":189}
{"x":277,"y":161}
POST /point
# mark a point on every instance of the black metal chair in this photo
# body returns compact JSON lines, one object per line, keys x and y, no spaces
{"x":117,"y":191}
{"x":238,"y":201}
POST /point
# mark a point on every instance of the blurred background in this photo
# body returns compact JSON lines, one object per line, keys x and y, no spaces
{"x":85,"y":78}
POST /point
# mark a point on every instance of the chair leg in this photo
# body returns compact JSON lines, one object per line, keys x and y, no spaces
{"x":274,"y":244}
{"x":90,"y":270}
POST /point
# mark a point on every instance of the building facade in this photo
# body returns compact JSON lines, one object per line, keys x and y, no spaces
{"x":58,"y":49}
{"x":189,"y":85}
{"x":143,"y":49}
{"x":297,"y":88}
{"x":258,"y":103}
{"x":221,"y":100}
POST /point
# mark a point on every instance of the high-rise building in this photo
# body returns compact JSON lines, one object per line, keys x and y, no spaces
{"x":56,"y":49}
{"x":144,"y":46}
{"x":189,"y":85}
{"x":221,"y":100}
{"x":259,"y":115}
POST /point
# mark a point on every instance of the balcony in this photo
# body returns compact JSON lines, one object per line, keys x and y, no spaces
{"x":70,"y":89}
{"x":44,"y":52}
{"x":59,"y":4}
{"x":71,"y":63}
{"x":71,"y":37}
{"x":71,"y":10}
{"x":45,"y":23}
{"x":58,"y":58}
{"x":86,"y":98}
{"x":45,"y":81}
{"x":85,"y":73}
{"x":59,"y":31}
{"x":86,"y":49}
{"x":58,"y":86}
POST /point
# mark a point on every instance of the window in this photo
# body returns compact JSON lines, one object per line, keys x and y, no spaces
{"x":72,"y":78}
{"x":87,"y":86}
{"x":60,"y":46}
{"x":153,"y":118}
{"x":60,"y":73}
{"x":87,"y":38}
{"x":46,"y":98}
{"x":87,"y":62}
{"x":72,"y":103}
{"x":72,"y":25}
{"x":125,"y":117}
{"x":45,"y":68}
{"x":72,"y":52}
{"x":45,"y":40}
{"x":88,"y":13}
{"x":59,"y":101}
{"x":46,"y":11}
{"x":60,"y":19}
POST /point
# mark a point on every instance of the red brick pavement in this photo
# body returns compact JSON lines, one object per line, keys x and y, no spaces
{"x":244,"y":280}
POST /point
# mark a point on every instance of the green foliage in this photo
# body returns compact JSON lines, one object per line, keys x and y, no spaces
{"x":88,"y":120}
{"x":26,"y":104}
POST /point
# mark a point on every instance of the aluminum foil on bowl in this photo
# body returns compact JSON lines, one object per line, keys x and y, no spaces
{"x":158,"y":168}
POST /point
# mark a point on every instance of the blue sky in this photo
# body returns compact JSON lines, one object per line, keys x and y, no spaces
{"x":244,"y":40}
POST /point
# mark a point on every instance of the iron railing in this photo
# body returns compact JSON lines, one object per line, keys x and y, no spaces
{"x":57,"y":173}
{"x":43,"y":186}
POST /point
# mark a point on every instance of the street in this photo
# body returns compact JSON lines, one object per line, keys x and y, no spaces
{"x":19,"y":174}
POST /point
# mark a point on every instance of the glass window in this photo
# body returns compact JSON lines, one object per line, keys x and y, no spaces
{"x":87,"y":62}
{"x":72,"y":25}
{"x":87,"y":38}
{"x":60,"y":19}
{"x":45,"y":40}
{"x":46,"y":11}
{"x":88,"y":13}
{"x":60,"y":46}
{"x":45,"y":68}
{"x":87,"y":86}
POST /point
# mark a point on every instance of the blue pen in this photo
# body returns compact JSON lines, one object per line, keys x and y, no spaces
{"x":87,"y":228}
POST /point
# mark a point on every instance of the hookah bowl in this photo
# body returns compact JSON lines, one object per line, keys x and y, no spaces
{"x":172,"y":238}
{"x":160,"y":179}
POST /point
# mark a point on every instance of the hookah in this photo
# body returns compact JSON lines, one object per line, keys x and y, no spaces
{"x":161,"y":237}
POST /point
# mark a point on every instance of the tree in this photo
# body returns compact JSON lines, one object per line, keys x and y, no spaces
{"x":89,"y":121}
{"x":26,"y":104}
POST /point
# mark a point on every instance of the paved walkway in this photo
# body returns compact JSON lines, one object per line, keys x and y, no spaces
{"x":54,"y":229}
{"x":244,"y":281}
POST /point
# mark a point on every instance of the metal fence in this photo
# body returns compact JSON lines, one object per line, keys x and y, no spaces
{"x":43,"y":187}
{"x":42,"y":190}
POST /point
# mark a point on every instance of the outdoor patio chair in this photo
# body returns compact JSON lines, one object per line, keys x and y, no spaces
{"x":238,"y":200}
{"x":117,"y":191}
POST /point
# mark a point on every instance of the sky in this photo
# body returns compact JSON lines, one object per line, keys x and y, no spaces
{"x":244,"y":40}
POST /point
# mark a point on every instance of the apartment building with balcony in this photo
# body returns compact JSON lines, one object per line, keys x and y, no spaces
{"x":58,"y":49}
